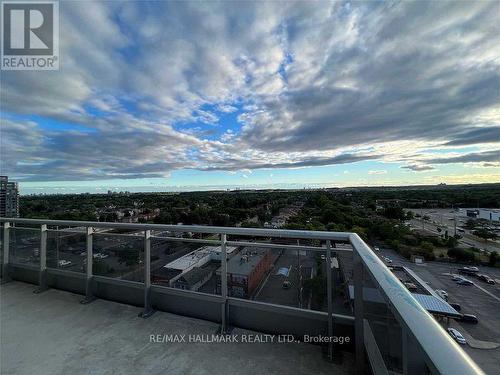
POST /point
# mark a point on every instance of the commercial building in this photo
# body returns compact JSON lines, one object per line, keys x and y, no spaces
{"x":484,"y":213}
{"x":9,"y":198}
{"x":196,"y":277}
{"x":245,"y":271}
{"x":190,"y":271}
{"x":490,"y":215}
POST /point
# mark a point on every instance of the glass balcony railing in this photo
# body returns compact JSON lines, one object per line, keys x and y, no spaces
{"x":280,"y":281}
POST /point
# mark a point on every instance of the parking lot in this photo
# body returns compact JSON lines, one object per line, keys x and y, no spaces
{"x":480,"y":299}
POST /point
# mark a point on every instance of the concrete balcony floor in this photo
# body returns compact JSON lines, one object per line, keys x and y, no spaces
{"x":52,"y":333}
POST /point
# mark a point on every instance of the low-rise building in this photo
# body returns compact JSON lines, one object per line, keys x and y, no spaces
{"x":489,"y":214}
{"x":245,"y":271}
{"x":196,"y":277}
{"x":197,"y":259}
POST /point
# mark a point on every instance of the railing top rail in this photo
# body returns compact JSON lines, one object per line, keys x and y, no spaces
{"x":442,"y":352}
{"x":259,"y":232}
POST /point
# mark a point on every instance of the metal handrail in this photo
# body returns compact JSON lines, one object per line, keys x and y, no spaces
{"x":258,"y":232}
{"x":441,"y":354}
{"x":444,"y":356}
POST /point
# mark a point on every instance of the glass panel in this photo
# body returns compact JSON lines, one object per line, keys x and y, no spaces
{"x":385,"y":327}
{"x":294,"y":278}
{"x":24,"y":246}
{"x":278,"y":275}
{"x":185,"y":265}
{"x":66,"y":250}
{"x":118,"y":256}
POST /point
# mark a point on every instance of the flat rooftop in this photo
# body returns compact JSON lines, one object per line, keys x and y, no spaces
{"x":245,"y":261}
{"x":52,"y":333}
{"x":200,"y":255}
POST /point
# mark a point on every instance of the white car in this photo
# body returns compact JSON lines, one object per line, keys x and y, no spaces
{"x":64,"y":263}
{"x":457,"y":336}
{"x":388,"y":260}
{"x":100,"y":256}
{"x":376,"y":248}
{"x":442,"y":293}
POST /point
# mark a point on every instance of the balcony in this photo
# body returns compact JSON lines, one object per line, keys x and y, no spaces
{"x":96,"y":283}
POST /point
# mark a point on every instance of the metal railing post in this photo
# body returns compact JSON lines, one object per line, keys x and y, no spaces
{"x":223,"y":283}
{"x":89,"y":295}
{"x":148,"y":310}
{"x":42,"y":275}
{"x":6,"y":245}
{"x":329,"y":286}
{"x":358,"y":312}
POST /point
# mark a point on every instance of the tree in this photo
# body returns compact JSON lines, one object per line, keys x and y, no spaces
{"x":394,"y":212}
{"x":470,"y":224}
{"x":409,"y":215}
{"x":484,"y":234}
{"x":451,"y":242}
{"x":427,"y":246}
{"x":493,"y":259}
{"x":461,"y":254}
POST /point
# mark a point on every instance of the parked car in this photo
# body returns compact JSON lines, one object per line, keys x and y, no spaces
{"x":64,"y":263}
{"x":464,"y":282}
{"x":376,"y":248}
{"x":388,"y":260}
{"x":457,"y":336}
{"x":468,"y":271}
{"x":456,"y":306}
{"x":100,"y":256}
{"x":472,"y":268}
{"x":442,"y":293}
{"x":469,"y":318}
{"x":456,"y":277}
{"x":486,"y":279}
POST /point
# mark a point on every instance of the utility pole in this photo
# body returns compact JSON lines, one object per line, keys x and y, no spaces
{"x":422,"y":216}
{"x":455,"y":224}
{"x":57,"y":246}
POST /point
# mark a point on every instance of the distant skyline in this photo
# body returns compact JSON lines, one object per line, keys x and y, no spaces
{"x":170,"y":96}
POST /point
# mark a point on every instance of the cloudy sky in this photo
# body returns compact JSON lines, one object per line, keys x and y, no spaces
{"x":192,"y":95}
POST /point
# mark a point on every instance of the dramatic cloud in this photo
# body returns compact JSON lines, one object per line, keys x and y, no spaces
{"x":489,"y":134}
{"x":475,"y":157}
{"x":146,"y":88}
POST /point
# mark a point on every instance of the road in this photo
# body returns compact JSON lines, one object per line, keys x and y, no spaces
{"x":446,"y":219}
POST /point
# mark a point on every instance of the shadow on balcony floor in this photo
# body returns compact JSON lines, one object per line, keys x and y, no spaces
{"x":51,"y":333}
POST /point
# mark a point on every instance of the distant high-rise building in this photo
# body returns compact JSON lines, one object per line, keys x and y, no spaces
{"x":9,"y":198}
{"x":3,"y":194}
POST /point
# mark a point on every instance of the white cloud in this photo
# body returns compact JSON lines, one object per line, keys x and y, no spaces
{"x":319,"y":83}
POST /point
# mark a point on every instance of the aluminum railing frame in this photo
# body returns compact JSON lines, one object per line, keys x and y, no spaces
{"x":436,"y":351}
